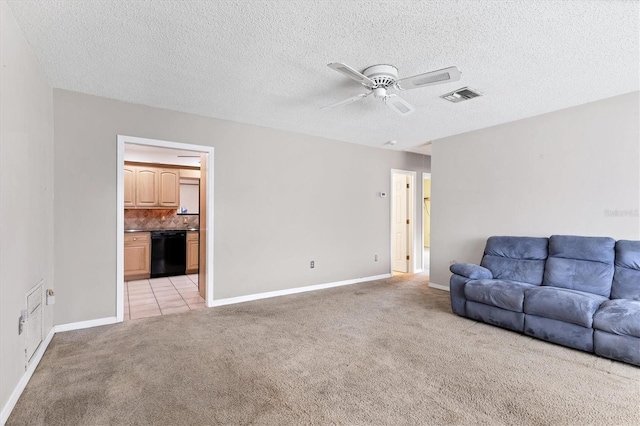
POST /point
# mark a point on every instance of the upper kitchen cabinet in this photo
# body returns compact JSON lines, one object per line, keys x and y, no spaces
{"x":129,"y":186}
{"x":154,"y":186}
{"x":147,"y":186}
{"x":189,"y":174}
{"x":169,"y":188}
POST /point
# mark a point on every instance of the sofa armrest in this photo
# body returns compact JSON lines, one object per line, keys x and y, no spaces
{"x":471,"y":271}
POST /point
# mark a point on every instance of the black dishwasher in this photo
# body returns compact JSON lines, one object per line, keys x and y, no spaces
{"x":168,"y":253}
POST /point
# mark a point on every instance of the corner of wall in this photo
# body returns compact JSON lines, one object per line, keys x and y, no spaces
{"x":26,"y":202}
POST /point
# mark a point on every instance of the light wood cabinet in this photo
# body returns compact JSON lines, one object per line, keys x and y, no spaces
{"x":169,"y":188}
{"x":129,"y":186}
{"x":153,"y":186}
{"x":137,"y":255}
{"x":189,"y":174}
{"x":146,"y":187}
{"x":193,"y":251}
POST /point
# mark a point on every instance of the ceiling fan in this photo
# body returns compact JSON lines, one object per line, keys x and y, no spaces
{"x":379,"y":79}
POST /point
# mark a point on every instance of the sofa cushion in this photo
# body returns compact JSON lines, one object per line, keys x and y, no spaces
{"x":626,"y":278}
{"x":561,"y":304}
{"x":580,"y":263}
{"x":516,"y":258}
{"x":503,"y":294}
{"x":619,"y":316}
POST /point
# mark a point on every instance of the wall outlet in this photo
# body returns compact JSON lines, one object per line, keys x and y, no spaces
{"x":313,"y":264}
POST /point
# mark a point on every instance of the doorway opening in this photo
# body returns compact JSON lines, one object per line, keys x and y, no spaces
{"x":164,"y":227}
{"x":426,"y":224}
{"x":403,"y":253}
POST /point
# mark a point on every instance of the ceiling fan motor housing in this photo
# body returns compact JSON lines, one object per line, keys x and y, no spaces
{"x":384,"y":76}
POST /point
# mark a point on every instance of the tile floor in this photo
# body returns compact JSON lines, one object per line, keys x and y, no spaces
{"x":161,"y":296}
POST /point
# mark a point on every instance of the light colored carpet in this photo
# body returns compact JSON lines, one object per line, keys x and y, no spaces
{"x":388,"y":352}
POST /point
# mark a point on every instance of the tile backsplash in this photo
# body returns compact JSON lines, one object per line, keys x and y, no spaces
{"x":152,"y":219}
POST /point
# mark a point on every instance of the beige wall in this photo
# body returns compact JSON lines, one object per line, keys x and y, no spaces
{"x":26,"y":197}
{"x":557,"y":173}
{"x":281,"y":200}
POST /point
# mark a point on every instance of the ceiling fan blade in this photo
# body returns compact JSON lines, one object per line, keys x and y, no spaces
{"x":429,"y":79}
{"x":347,"y":101}
{"x":398,"y":104}
{"x":351,"y":73}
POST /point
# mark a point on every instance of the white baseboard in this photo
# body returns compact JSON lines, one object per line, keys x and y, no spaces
{"x":258,"y":296}
{"x":85,"y":324}
{"x":439,"y":286}
{"x":15,"y":395}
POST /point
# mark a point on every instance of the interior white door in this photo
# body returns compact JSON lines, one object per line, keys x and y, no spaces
{"x":400,"y":222}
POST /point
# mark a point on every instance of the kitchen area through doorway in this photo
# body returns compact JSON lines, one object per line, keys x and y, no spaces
{"x":161,"y":231}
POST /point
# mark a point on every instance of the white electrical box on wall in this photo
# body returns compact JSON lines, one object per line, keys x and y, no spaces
{"x":51,"y":298}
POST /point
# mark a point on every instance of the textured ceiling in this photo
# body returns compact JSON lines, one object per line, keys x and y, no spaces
{"x":264,"y":62}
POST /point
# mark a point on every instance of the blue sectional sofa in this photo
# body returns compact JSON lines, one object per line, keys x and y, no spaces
{"x":581,"y":292}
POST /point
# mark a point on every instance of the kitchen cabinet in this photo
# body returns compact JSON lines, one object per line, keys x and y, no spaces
{"x":129,"y":186}
{"x":151,"y":187}
{"x":146,"y":187}
{"x":169,"y":188}
{"x":193,"y":251}
{"x":189,"y":174}
{"x":137,"y":255}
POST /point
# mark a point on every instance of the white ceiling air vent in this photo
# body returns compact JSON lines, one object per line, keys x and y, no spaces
{"x":460,"y":95}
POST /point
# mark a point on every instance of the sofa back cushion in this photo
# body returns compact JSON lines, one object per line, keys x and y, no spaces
{"x":626,"y":278}
{"x":516,"y":258}
{"x":580,"y":263}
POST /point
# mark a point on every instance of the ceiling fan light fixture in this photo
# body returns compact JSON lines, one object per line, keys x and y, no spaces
{"x":380,"y":92}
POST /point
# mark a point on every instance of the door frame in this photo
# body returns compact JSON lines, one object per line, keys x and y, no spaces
{"x":412,"y":216}
{"x":121,"y":140}
{"x":424,"y":176}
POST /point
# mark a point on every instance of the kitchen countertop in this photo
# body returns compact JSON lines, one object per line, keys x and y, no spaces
{"x":159,"y":230}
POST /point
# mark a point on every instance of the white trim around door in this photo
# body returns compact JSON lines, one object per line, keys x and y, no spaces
{"x":413,"y":192}
{"x":424,"y":176}
{"x":121,"y":140}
